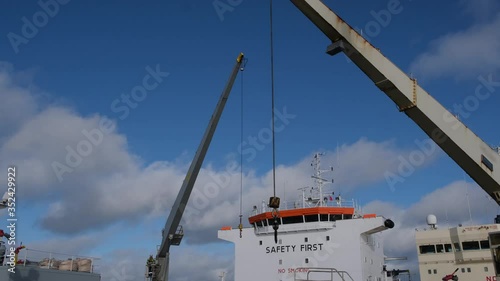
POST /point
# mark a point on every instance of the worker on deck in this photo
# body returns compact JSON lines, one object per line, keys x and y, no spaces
{"x":150,"y":263}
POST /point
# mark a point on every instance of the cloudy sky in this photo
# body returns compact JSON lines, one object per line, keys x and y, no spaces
{"x":103,"y":105}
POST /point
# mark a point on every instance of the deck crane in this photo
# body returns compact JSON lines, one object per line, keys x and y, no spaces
{"x":172,"y":233}
{"x":471,"y":153}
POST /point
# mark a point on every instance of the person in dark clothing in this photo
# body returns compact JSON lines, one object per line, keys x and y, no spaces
{"x":150,"y":263}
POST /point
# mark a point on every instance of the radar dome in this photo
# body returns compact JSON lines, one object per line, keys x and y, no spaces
{"x":431,"y":220}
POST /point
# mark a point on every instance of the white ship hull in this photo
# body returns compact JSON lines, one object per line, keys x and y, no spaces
{"x":350,"y":245}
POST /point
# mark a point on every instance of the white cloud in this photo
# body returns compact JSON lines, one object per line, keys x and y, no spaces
{"x":123,"y":265}
{"x":465,"y":54}
{"x":121,"y":189}
{"x":18,"y":103}
{"x":78,"y":244}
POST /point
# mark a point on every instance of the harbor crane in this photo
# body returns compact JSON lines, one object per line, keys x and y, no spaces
{"x":172,"y":233}
{"x":471,"y":153}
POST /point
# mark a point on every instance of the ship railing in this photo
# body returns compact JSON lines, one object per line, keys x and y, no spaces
{"x":344,"y":275}
{"x":57,"y":261}
{"x":295,"y":227}
{"x":291,"y":205}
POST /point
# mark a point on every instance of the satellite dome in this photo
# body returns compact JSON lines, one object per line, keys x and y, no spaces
{"x":431,"y":220}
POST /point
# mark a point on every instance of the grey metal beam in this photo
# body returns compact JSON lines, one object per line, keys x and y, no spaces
{"x":472,"y":154}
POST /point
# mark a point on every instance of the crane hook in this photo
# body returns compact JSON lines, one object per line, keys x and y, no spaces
{"x":274,"y":202}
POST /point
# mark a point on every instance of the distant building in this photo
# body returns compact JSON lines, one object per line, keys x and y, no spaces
{"x":466,"y":248}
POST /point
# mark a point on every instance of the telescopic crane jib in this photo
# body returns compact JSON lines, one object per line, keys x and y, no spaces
{"x":173,"y":232}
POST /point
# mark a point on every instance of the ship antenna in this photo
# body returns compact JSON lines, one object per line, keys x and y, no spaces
{"x":316,"y":163}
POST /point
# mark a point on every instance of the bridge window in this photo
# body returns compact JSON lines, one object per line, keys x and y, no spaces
{"x":427,"y":249}
{"x":307,"y":260}
{"x":323,"y":217}
{"x":270,"y":222}
{"x":327,"y":238}
{"x":468,"y":269}
{"x":305,"y":239}
{"x":470,"y":245}
{"x":485,"y":244}
{"x":260,"y":242}
{"x":311,"y":218}
{"x":439,"y":248}
{"x":457,"y":246}
{"x":295,"y":219}
{"x":335,"y":217}
{"x":485,"y":269}
{"x":448,"y":248}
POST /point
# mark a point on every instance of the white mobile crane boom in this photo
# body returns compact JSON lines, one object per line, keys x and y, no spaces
{"x":173,"y":233}
{"x":471,"y":153}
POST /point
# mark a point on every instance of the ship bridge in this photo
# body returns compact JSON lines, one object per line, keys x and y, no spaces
{"x":318,"y":230}
{"x":308,"y":213}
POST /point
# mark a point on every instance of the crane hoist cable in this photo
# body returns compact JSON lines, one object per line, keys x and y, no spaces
{"x":274,"y":202}
{"x":240,"y":226}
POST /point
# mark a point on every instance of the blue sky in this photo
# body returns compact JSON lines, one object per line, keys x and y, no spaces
{"x":67,"y":77}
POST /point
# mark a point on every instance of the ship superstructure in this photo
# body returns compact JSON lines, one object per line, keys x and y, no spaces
{"x":466,"y":248}
{"x":320,"y":236}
